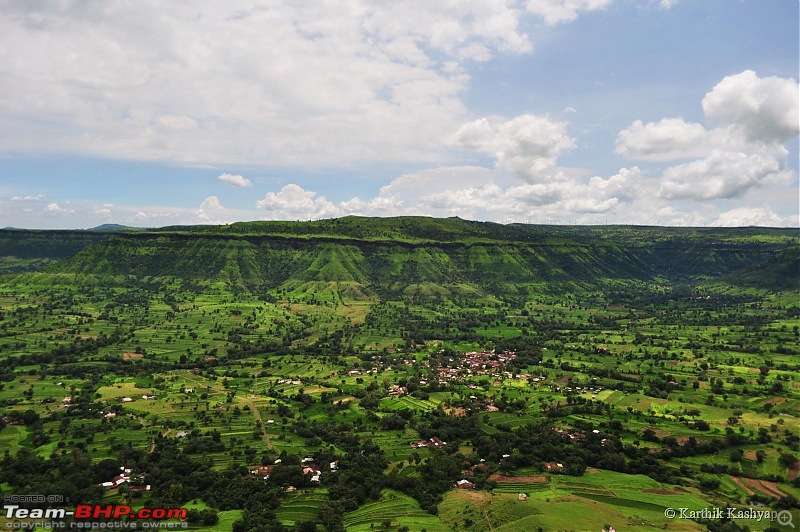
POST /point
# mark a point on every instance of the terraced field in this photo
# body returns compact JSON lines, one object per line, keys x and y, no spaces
{"x":396,"y":510}
{"x":521,"y":484}
{"x":302,"y":506}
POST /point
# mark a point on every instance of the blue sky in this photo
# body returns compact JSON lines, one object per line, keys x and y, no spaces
{"x":667,"y":112}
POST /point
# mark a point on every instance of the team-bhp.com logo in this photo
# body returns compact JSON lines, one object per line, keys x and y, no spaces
{"x":119,"y":511}
{"x":85,"y":512}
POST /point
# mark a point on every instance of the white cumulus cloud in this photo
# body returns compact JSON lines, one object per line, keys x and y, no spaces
{"x":749,"y":216}
{"x":294,"y":202}
{"x":753,"y":118}
{"x":235,"y":180}
{"x":211,"y":202}
{"x":56,"y":209}
{"x":211,"y":210}
{"x":725,"y":174}
{"x":665,"y":140}
{"x":766,"y":109}
{"x":526,"y":145}
{"x":502,"y":200}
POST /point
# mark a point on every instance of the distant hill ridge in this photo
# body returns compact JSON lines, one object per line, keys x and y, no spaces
{"x":422,"y":257}
{"x":115,"y":227}
{"x":417,"y":229}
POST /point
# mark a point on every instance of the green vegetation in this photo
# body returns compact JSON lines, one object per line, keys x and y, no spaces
{"x":346,"y":374}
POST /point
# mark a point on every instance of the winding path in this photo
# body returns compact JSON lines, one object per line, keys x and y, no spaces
{"x":256,"y":413}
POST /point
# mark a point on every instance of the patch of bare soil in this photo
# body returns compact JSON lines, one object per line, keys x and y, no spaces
{"x":660,"y":433}
{"x":774,"y":401}
{"x":773,"y":487}
{"x":742,"y":485}
{"x":770,"y":489}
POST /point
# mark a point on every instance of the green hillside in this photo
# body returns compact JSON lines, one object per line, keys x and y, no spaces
{"x":781,"y":272}
{"x":392,"y":256}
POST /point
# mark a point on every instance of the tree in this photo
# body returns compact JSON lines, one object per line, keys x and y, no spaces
{"x":787,"y":460}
